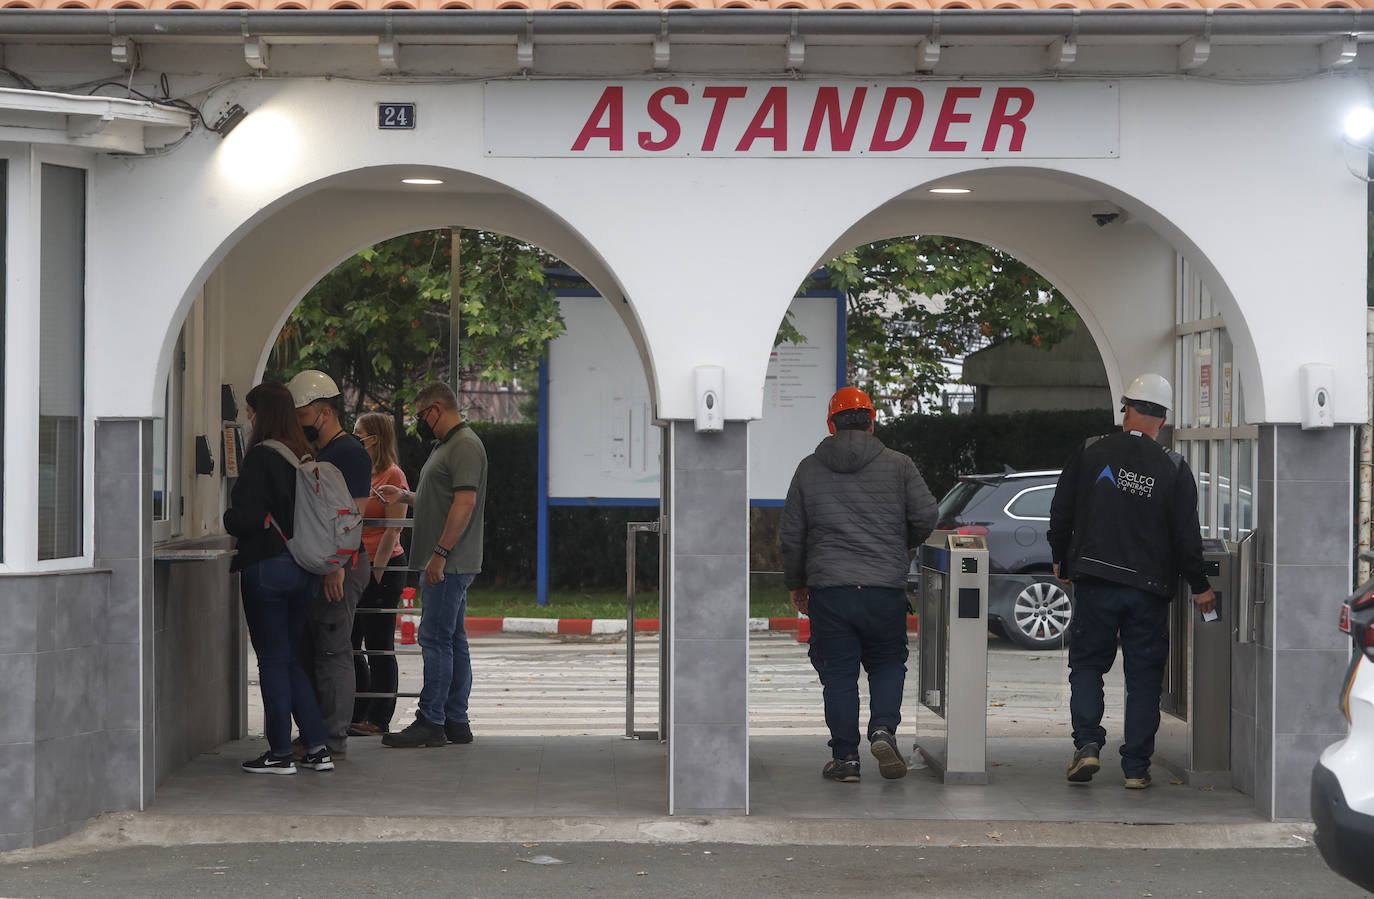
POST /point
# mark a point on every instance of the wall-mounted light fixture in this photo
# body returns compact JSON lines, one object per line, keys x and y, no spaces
{"x":229,"y":120}
{"x":1359,"y":123}
{"x":1356,"y":131}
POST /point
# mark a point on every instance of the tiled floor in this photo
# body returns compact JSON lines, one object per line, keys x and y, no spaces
{"x":610,"y":777}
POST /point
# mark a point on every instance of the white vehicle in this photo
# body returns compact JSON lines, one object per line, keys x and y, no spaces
{"x":1343,"y":779}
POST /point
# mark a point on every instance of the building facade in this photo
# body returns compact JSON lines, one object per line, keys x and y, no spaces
{"x":176,"y":179}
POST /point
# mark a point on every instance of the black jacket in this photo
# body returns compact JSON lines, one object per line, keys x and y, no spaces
{"x":853,"y":510}
{"x":1125,"y":511}
{"x":266,"y":484}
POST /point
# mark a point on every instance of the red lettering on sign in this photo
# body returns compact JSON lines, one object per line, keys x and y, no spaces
{"x":722,"y":97}
{"x":611,"y":106}
{"x":663,"y":119}
{"x":881,"y":142}
{"x":1001,"y":117}
{"x":828,"y":106}
{"x":948,"y":116}
{"x":774,"y":106}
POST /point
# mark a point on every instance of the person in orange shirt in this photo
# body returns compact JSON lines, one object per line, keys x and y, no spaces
{"x":377,"y":673}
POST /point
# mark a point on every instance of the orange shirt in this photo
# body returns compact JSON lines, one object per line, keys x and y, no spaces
{"x":372,"y":536}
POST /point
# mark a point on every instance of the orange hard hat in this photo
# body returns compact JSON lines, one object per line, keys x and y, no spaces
{"x":849,"y":398}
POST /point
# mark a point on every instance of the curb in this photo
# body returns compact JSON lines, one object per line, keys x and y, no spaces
{"x":120,"y":830}
{"x":594,"y":626}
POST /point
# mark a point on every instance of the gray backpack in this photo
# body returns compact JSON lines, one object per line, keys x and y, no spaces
{"x":327,"y":526}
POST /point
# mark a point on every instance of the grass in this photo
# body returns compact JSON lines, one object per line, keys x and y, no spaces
{"x":764,"y":602}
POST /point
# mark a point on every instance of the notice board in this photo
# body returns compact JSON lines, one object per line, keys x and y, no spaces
{"x":602,"y":444}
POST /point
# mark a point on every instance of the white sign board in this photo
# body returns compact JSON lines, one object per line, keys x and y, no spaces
{"x":602,"y":444}
{"x":1020,"y":120}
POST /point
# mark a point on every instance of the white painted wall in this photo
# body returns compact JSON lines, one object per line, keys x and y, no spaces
{"x":1204,"y":168}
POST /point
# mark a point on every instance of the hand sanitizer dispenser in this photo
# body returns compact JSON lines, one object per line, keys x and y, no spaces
{"x":709,"y":382}
{"x":1314,"y":385}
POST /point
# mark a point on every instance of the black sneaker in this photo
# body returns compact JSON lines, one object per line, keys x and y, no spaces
{"x":458,"y":731}
{"x":1142,"y":782}
{"x":298,"y":751}
{"x":267,"y":763}
{"x":1084,"y":765}
{"x":884,"y":748}
{"x":420,"y":732}
{"x":317,"y":761}
{"x":842,"y":770}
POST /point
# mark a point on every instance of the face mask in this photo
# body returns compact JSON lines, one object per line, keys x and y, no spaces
{"x":312,"y":432}
{"x":424,"y":430}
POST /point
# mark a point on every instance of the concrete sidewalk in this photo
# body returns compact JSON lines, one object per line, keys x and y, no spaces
{"x":543,"y":870}
{"x":528,"y":777}
{"x":600,"y":789}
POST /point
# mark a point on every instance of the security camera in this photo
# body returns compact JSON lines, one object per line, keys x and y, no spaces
{"x":1104,"y":214}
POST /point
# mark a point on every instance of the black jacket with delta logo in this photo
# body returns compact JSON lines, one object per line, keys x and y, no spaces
{"x":1125,"y":511}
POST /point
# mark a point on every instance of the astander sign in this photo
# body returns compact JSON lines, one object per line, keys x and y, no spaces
{"x":836,"y":118}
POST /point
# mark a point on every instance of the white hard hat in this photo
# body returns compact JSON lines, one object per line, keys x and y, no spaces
{"x":311,"y":385}
{"x":1151,"y":388}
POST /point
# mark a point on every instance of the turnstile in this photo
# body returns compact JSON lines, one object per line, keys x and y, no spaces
{"x":952,"y":657}
{"x":1197,"y":681}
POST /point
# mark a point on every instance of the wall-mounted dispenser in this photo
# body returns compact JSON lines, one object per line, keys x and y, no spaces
{"x":709,"y":382}
{"x":1314,"y":385}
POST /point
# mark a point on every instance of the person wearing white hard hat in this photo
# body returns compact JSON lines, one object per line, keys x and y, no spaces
{"x":1123,"y":529}
{"x":329,"y":634}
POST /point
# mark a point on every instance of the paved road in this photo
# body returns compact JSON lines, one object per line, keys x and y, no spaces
{"x":693,"y":870}
{"x":551,"y":685}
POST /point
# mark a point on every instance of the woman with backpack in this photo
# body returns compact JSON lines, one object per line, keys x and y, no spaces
{"x":276,"y":591}
{"x":377,"y":673}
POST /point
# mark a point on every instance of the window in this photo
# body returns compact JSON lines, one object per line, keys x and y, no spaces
{"x":1033,"y":502}
{"x":1208,"y":430}
{"x":62,"y":363}
{"x":167,"y":455}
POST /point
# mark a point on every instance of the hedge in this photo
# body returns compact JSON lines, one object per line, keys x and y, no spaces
{"x":587,"y":543}
{"x":946,"y":446}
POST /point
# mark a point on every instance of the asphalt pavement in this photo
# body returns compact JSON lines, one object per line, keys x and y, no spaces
{"x":533,"y":871}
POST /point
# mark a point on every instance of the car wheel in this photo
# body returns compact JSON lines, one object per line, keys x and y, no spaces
{"x":1040,"y":616}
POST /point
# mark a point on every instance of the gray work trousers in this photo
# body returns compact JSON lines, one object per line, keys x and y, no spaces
{"x":329,"y":640}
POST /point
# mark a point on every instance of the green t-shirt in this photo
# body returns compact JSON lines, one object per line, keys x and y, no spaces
{"x":459,"y":462}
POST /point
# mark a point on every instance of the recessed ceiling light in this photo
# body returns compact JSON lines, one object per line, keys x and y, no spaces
{"x":950,"y":190}
{"x":421,"y":181}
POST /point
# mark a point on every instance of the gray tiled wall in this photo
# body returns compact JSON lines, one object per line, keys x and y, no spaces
{"x":108,"y":690}
{"x":124,"y":545}
{"x":53,"y":743}
{"x":74,"y":655}
{"x":1305,"y":488}
{"x":709,"y":703}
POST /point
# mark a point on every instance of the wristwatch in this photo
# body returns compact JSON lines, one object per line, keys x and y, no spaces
{"x":441,"y":552}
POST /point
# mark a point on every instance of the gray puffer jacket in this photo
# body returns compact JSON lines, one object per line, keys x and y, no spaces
{"x":852,"y":512}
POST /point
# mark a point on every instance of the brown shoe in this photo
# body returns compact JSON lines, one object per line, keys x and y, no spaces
{"x":364,"y":729}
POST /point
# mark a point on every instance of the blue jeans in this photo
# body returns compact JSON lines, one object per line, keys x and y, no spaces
{"x":443,"y":639}
{"x":276,"y":601}
{"x":1103,"y":613}
{"x":852,"y":626}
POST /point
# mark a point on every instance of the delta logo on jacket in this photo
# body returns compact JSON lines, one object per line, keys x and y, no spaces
{"x":1128,"y":481}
